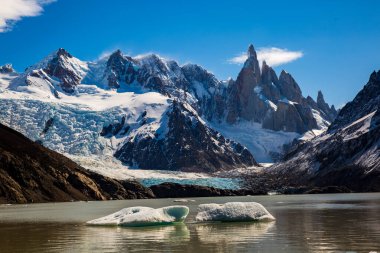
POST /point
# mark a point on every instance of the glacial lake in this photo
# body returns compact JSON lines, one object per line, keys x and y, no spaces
{"x":304,"y":223}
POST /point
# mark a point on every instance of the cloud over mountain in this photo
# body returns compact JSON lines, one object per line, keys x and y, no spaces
{"x":272,"y":55}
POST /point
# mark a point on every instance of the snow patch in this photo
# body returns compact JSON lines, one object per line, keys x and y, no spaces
{"x":358,"y":127}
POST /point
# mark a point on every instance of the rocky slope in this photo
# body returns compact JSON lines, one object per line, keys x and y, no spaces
{"x":30,"y":172}
{"x":348,"y":154}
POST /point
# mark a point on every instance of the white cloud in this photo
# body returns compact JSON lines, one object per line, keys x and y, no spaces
{"x":272,"y":55}
{"x":12,"y":11}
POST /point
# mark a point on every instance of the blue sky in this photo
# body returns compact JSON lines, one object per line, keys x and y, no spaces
{"x":339,"y":40}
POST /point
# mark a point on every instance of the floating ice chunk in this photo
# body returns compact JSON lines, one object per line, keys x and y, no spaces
{"x":233,"y":211}
{"x":114,"y":219}
{"x":144,"y":216}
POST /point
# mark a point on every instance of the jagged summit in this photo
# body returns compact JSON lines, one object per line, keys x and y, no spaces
{"x":118,"y":52}
{"x":259,"y":95}
{"x":289,"y":87}
{"x":63,"y":52}
{"x":320,"y":98}
{"x":252,"y":63}
{"x":251,"y":52}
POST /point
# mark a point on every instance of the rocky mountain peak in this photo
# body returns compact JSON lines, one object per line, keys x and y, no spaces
{"x":117,"y":53}
{"x":63,"y":52}
{"x":7,"y":68}
{"x":375,"y":77}
{"x":116,"y":59}
{"x":268,"y":75}
{"x":252,"y":64}
{"x":289,"y":87}
{"x":251,"y":52}
{"x":320,"y":98}
{"x":63,"y":66}
{"x":119,"y":69}
{"x":329,"y":112}
{"x":241,"y":93}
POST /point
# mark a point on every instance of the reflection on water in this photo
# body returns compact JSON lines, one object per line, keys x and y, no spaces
{"x":227,"y":237}
{"x":226,"y":233}
{"x":328,"y":223}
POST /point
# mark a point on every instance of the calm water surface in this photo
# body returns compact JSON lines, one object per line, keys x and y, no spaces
{"x":305,"y":223}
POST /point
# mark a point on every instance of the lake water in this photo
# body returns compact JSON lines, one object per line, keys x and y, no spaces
{"x":305,"y":223}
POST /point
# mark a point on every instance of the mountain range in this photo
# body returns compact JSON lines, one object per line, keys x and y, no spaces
{"x":151,"y":113}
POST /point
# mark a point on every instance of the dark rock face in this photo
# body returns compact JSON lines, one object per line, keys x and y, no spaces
{"x":289,"y":87}
{"x":57,"y":67}
{"x":290,"y":118}
{"x":114,"y":129}
{"x":187,"y":145}
{"x":348,"y":155}
{"x":269,"y":82}
{"x":30,"y":172}
{"x":6,"y":69}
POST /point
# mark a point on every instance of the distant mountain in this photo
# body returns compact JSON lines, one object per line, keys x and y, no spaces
{"x":30,"y":172}
{"x":152,"y":113}
{"x":348,"y":154}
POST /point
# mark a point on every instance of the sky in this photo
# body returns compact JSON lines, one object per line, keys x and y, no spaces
{"x":326,"y":45}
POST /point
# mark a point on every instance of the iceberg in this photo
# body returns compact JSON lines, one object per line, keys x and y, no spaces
{"x":114,"y":218}
{"x":233,"y":211}
{"x":143,"y":216}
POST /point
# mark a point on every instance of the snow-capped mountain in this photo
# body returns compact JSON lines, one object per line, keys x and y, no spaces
{"x":348,"y":153}
{"x":151,"y":113}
